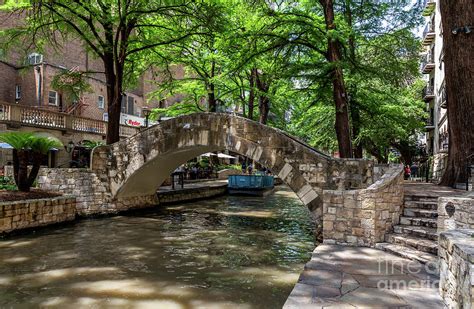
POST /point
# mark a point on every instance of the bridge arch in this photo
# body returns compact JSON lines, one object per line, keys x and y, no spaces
{"x":137,"y":166}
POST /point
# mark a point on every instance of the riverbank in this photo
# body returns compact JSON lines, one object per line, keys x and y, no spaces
{"x":191,"y":191}
{"x":358,"y":277}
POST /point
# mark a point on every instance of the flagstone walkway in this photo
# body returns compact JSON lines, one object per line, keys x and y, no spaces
{"x":357,"y":277}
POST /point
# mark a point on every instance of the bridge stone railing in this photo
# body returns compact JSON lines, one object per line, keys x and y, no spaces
{"x":363,"y":217}
{"x":456,"y":213}
{"x":456,"y":253}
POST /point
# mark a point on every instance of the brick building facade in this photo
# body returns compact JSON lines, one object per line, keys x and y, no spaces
{"x":26,"y":80}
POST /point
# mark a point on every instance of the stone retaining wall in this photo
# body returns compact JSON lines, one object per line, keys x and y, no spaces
{"x":455,"y":213}
{"x":91,"y":191}
{"x":168,"y":197}
{"x":19,"y":215}
{"x":456,"y":253}
{"x":363,"y":217}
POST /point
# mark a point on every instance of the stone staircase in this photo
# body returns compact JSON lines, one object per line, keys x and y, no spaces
{"x":415,"y":237}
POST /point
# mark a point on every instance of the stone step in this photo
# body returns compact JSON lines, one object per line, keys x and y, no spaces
{"x":420,"y":213}
{"x":421,"y":244}
{"x":421,"y":205}
{"x":417,"y":231}
{"x":428,"y":222}
{"x":421,"y":198}
{"x":409,"y":253}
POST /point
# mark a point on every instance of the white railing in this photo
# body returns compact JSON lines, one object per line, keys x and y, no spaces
{"x":35,"y":117}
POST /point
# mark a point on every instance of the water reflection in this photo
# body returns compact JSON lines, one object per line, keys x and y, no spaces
{"x":221,"y":253}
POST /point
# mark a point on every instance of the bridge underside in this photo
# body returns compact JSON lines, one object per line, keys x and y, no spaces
{"x":155,"y":172}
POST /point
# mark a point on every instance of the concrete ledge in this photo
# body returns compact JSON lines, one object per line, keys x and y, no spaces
{"x":456,"y":252}
{"x":18,"y":215}
{"x":190,"y":194}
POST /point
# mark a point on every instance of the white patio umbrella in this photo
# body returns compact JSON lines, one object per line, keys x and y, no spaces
{"x":225,"y":156}
{"x":5,"y":146}
{"x":219,"y":155}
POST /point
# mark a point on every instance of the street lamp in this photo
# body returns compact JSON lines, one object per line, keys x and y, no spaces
{"x":69,"y":146}
{"x":146,"y":112}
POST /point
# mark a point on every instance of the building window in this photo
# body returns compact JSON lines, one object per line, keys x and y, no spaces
{"x":17,"y":92}
{"x":100,"y":102}
{"x":123,"y":104}
{"x":131,"y":105}
{"x":53,"y":98}
{"x":35,"y":58}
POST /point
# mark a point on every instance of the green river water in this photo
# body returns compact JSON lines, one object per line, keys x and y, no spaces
{"x":226,"y":252}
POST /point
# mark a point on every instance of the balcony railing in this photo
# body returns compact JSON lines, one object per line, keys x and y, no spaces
{"x":428,"y":7}
{"x":35,"y":117}
{"x":427,"y":63}
{"x":429,"y":123}
{"x":429,"y":34}
{"x":428,"y":93}
{"x":444,"y":98}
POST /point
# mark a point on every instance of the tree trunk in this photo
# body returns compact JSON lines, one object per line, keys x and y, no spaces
{"x":35,"y":169}
{"x":264,"y":108}
{"x":264,"y":102}
{"x":355,"y":115}
{"x":114,"y":100}
{"x":352,"y":88}
{"x":16,"y":166}
{"x":211,"y":97}
{"x":211,"y":91}
{"x":252,"y":79}
{"x":459,"y":81}
{"x":339,"y":91}
{"x":23,"y":171}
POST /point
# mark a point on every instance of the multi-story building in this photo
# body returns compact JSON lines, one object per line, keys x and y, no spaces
{"x":434,"y":94}
{"x":29,"y":102}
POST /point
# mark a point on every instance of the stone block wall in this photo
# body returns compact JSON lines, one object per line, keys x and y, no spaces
{"x":34,"y":213}
{"x":456,"y":253}
{"x":440,"y":161}
{"x":363,"y":217}
{"x":380,"y":170}
{"x":91,"y":191}
{"x":455,"y":213}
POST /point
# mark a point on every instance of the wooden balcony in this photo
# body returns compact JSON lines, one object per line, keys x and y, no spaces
{"x":428,"y":93}
{"x":21,"y":115}
{"x":444,"y":99}
{"x":428,"y":7}
{"x":427,"y":63}
{"x":429,"y":34}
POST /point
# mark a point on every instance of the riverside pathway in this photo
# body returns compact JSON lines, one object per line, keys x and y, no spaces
{"x":358,"y":277}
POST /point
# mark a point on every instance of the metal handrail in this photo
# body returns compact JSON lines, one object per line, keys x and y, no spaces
{"x":469,"y":167}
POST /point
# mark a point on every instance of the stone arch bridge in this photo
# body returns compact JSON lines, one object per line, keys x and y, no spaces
{"x":135,"y":167}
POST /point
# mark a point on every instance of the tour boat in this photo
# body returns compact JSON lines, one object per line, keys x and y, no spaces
{"x":257,"y":185}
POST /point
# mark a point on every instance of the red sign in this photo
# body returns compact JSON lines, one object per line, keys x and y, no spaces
{"x":134,"y":123}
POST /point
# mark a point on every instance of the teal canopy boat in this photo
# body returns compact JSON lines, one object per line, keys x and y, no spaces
{"x":258,"y":185}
